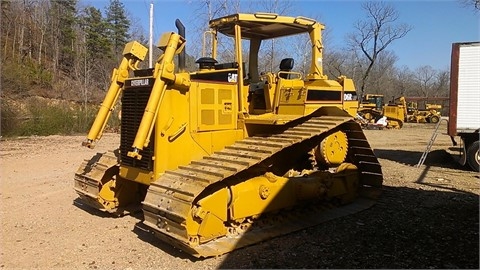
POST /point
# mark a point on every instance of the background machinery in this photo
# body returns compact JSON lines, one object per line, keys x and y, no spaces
{"x":220,"y":160}
{"x":373,"y":107}
{"x":431,"y":113}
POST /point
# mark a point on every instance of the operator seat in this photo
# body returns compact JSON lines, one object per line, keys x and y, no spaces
{"x":287,"y":66}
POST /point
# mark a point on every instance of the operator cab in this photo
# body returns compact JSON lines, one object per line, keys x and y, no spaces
{"x":258,"y":91}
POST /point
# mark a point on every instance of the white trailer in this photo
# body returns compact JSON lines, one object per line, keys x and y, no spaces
{"x":464,"y":116}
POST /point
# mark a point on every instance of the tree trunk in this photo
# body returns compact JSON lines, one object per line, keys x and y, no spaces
{"x":40,"y":47}
{"x":14,"y":41}
{"x":21,"y":38}
{"x":365,"y":77}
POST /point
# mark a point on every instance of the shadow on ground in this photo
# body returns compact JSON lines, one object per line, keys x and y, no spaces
{"x":407,"y":228}
{"x":141,"y":230}
{"x":89,"y":209}
{"x":437,"y":158}
{"x":144,"y":234}
{"x":133,"y":210}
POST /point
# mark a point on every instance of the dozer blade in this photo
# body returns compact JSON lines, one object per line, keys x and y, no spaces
{"x":172,"y":202}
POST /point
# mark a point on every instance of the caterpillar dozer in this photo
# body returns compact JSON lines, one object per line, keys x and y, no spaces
{"x":373,"y":108}
{"x":218,"y":160}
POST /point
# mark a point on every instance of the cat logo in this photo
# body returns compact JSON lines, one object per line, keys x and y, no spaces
{"x":227,"y":107}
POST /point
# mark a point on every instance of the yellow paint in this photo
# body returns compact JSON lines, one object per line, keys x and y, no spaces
{"x":135,"y":174}
{"x":172,"y":44}
{"x":192,"y":115}
{"x":332,"y":150}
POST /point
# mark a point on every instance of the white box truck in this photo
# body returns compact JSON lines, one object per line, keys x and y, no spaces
{"x":464,"y":116}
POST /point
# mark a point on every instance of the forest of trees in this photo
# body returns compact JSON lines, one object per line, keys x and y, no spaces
{"x":55,"y":49}
{"x":64,"y":49}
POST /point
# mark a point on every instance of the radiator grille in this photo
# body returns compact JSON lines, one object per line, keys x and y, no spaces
{"x":134,"y":101}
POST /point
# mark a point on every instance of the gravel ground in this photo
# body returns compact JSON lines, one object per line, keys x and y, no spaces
{"x":427,"y":217}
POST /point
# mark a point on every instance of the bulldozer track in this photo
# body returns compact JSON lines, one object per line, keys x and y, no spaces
{"x":90,"y":174}
{"x":170,"y":198}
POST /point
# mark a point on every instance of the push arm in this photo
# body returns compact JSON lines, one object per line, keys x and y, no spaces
{"x":133,"y":53}
{"x":172,"y":44}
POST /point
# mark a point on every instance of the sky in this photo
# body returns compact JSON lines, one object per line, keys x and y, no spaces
{"x":436,"y":24}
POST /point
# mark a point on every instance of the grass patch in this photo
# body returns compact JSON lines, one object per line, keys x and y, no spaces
{"x":46,"y":117}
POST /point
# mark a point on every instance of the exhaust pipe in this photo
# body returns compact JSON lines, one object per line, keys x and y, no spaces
{"x":181,"y":56}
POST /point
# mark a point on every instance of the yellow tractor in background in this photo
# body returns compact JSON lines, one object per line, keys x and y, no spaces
{"x":431,"y":113}
{"x":373,"y":107}
{"x":219,"y":160}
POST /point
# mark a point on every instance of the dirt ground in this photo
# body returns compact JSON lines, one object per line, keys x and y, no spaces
{"x":427,"y":217}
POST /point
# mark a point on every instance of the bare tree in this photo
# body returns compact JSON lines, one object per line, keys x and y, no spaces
{"x":336,"y":63}
{"x":425,"y":79}
{"x":41,"y":19}
{"x":382,"y":75}
{"x":375,"y":33}
{"x":205,"y":11}
{"x":473,"y":4}
{"x":442,"y":83}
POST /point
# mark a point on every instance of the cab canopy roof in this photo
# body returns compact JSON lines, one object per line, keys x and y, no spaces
{"x":263,"y":25}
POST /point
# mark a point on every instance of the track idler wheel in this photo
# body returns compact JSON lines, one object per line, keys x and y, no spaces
{"x":332,"y":150}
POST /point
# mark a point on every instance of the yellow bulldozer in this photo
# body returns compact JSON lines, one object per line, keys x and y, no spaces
{"x":218,"y":160}
{"x":431,"y":113}
{"x":373,"y":107}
